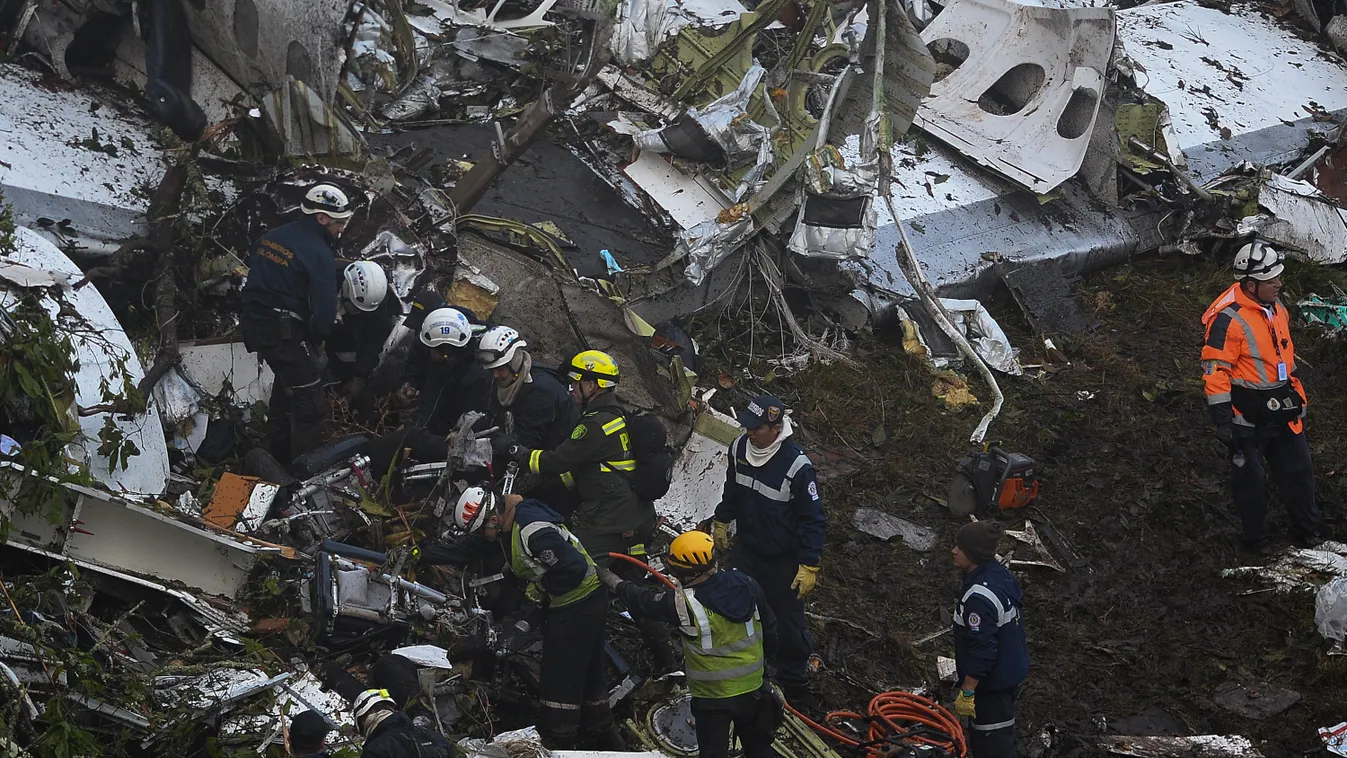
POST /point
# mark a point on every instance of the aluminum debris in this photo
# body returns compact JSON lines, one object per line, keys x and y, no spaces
{"x":877,"y":523}
{"x":1202,"y":746}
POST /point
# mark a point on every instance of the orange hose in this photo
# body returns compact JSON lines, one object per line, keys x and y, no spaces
{"x":893,"y":716}
{"x":646,"y":567}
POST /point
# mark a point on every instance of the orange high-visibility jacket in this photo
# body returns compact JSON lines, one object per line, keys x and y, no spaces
{"x":1245,"y":343}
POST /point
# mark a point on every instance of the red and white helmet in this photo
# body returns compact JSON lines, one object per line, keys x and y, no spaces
{"x":473,"y":507}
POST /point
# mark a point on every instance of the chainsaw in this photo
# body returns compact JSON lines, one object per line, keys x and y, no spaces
{"x":991,"y":481}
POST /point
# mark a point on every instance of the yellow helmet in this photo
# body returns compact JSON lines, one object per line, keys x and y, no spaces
{"x":692,"y":552}
{"x":596,"y":366}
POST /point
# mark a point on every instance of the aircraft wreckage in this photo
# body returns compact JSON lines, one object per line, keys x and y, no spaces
{"x":882,"y":157}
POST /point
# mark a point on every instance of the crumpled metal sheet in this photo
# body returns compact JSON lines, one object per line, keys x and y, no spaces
{"x":1330,"y":609}
{"x":710,"y":242}
{"x":176,"y":397}
{"x":877,"y":523}
{"x":1302,"y":219}
{"x":307,"y":126}
{"x":725,"y":123}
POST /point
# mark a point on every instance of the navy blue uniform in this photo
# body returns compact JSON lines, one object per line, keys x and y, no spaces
{"x":357,"y":341}
{"x":288,"y":306}
{"x":780,"y":525}
{"x":449,"y":388}
{"x":989,"y":646}
{"x":397,"y":737}
{"x":293,"y":270}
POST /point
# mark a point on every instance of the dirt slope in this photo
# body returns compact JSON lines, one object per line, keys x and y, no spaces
{"x":1137,"y":641}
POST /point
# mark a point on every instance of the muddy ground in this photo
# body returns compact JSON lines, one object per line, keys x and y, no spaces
{"x":1136,"y":641}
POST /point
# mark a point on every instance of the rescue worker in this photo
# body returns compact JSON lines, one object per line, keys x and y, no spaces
{"x":1256,"y":399}
{"x":610,"y":517}
{"x":390,"y":733}
{"x":989,"y":648}
{"x":771,"y":493}
{"x":542,"y":413}
{"x":306,"y":734}
{"x":728,"y":629}
{"x":366,"y":317}
{"x":539,"y":550}
{"x":533,"y":405}
{"x":289,"y":304}
{"x":441,"y":374}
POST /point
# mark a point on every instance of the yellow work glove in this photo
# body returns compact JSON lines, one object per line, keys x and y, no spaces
{"x":534,"y":593}
{"x":964,"y":705}
{"x":805,"y":579}
{"x":720,"y":532}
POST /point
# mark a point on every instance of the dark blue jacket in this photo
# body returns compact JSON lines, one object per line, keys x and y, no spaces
{"x":776,"y":505}
{"x":989,"y":629}
{"x":732,"y":594}
{"x":293,"y":269}
{"x":565,"y":570}
{"x":397,"y":737}
{"x":365,"y":334}
{"x":544,"y":413}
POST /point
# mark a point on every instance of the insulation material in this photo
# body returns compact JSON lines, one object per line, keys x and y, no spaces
{"x":1301,"y":219}
{"x":705,"y":245}
{"x":1330,"y":610}
{"x":641,"y":26}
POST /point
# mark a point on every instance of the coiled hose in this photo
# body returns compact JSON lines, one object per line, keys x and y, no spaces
{"x":895,"y":717}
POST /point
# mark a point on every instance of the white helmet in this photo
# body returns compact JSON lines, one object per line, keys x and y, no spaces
{"x":1258,"y":261}
{"x":472,"y":509}
{"x":365,"y":285}
{"x":365,"y":702}
{"x":446,"y":326}
{"x":325,"y":198}
{"x":497,"y":347}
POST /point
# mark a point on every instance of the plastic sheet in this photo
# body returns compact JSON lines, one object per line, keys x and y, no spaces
{"x":1330,"y":609}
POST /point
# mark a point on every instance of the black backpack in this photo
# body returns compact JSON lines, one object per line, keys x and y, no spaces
{"x":654,"y":459}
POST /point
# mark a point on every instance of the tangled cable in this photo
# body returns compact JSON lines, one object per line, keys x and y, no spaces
{"x":897,"y":718}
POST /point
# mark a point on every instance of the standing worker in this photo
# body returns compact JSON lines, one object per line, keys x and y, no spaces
{"x":989,"y":648}
{"x":539,"y":550}
{"x":1256,"y":399}
{"x":728,"y":629}
{"x":772,"y":494}
{"x":610,"y":518}
{"x":289,"y":306}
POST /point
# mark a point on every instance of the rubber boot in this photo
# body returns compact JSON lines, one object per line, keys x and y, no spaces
{"x":798,"y":696}
{"x":609,"y":739}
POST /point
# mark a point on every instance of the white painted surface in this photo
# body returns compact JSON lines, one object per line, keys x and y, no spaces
{"x":45,"y":171}
{"x":1071,"y":46}
{"x":100,"y":344}
{"x":430,"y":656}
{"x":698,"y":478}
{"x":211,"y":87}
{"x":687,"y":199}
{"x":1303,"y":220}
{"x":211,"y":367}
{"x":1279,"y":73}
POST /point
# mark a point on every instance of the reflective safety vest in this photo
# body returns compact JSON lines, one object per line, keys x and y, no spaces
{"x":724,"y":658}
{"x":626,"y":463}
{"x":526,"y":567}
{"x":1249,"y":360}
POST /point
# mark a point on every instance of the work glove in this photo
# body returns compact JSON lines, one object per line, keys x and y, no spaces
{"x":405,"y":398}
{"x":805,"y":579}
{"x":610,"y":579}
{"x":1226,"y":433}
{"x":720,"y":532}
{"x":534,"y":593}
{"x":503,"y":444}
{"x":964,"y":705}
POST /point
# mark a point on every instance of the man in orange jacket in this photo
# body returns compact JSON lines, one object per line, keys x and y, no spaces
{"x":1256,"y":399}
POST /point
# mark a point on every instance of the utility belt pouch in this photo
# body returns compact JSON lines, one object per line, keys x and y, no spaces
{"x":289,"y":330}
{"x":1270,"y":407}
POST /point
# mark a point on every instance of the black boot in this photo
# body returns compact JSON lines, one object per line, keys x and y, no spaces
{"x":609,"y":739}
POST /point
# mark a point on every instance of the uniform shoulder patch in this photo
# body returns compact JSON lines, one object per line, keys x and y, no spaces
{"x":547,"y":558}
{"x":813,"y":490}
{"x":974,"y":621}
{"x":579,"y":432}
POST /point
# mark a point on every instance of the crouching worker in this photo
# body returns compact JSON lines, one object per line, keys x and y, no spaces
{"x":390,"y":733}
{"x":728,"y":629}
{"x":538,"y":549}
